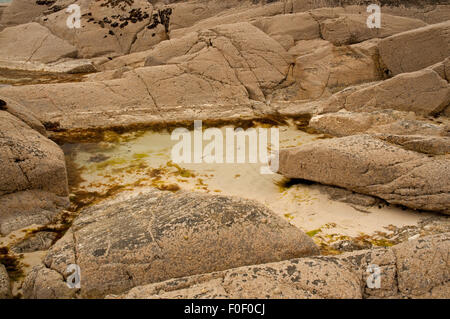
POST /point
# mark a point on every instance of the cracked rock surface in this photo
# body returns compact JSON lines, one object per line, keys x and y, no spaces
{"x":33,"y":174}
{"x":416,"y":269}
{"x":368,"y":165}
{"x":243,"y":65}
{"x":35,"y":43}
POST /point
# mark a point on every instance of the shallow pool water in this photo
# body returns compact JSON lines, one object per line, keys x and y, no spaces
{"x":141,"y":159}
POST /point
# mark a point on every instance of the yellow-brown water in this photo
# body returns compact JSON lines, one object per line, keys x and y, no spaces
{"x":141,"y":159}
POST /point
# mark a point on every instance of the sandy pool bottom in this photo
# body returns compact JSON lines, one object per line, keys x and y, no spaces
{"x":143,"y":159}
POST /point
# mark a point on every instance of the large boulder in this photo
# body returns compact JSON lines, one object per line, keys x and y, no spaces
{"x":160,"y":54}
{"x":416,"y":49}
{"x":423,"y":264}
{"x":155,"y":236}
{"x":308,"y":108}
{"x":110,"y":27}
{"x":3,"y":6}
{"x":442,"y":68}
{"x":368,"y":165}
{"x":23,"y":11}
{"x":228,"y":70}
{"x":32,"y":42}
{"x":85,"y":105}
{"x":189,"y":13}
{"x":352,"y":28}
{"x":195,"y":16}
{"x":37,"y":162}
{"x":144,"y":96}
{"x":30,"y":207}
{"x":415,"y":269}
{"x":33,"y":178}
{"x":259,"y":62}
{"x":429,"y":11}
{"x":328,"y":69}
{"x":423,"y":92}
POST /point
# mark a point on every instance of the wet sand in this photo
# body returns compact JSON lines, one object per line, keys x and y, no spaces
{"x":143,"y":159}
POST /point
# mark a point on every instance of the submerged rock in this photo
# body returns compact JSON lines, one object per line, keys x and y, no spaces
{"x":42,"y":240}
{"x":155,"y":236}
{"x":221,"y":82}
{"x":346,"y":196}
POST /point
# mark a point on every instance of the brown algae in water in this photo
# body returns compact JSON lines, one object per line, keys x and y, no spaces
{"x":12,"y":264}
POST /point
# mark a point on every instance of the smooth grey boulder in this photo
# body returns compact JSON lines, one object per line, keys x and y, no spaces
{"x":151,"y":237}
